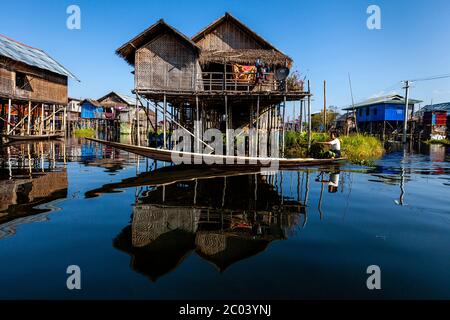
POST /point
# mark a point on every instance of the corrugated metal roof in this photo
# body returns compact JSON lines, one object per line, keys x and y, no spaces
{"x":31,"y":56}
{"x":127,"y":99}
{"x":393,"y":98}
{"x":437,"y":107}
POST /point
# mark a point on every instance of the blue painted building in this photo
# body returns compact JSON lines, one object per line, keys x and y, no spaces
{"x":386,"y":108}
{"x":382,"y":115}
{"x":91,"y":109}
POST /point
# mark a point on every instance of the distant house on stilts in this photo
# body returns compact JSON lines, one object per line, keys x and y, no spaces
{"x":33,"y":90}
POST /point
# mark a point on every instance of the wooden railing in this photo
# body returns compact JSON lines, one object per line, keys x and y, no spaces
{"x":245,"y":82}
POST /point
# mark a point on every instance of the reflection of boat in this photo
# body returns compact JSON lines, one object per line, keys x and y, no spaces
{"x":34,"y":137}
{"x":218,"y":160}
{"x":169,"y":175}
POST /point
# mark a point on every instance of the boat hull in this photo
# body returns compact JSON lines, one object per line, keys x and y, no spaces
{"x":33,"y":137}
{"x":217,"y":160}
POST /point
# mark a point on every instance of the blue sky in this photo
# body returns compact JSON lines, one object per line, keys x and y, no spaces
{"x":327,"y":40}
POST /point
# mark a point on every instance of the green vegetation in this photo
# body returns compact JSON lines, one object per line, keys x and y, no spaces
{"x":445,"y":142}
{"x":357,"y":148}
{"x":85,"y":133}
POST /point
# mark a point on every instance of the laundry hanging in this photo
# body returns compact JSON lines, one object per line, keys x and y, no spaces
{"x":244,"y":73}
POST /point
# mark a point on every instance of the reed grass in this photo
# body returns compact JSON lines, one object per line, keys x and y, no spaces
{"x":357,"y":148}
{"x":85,"y":133}
{"x":445,"y":142}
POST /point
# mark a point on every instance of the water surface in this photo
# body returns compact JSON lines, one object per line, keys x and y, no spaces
{"x":140,"y":229}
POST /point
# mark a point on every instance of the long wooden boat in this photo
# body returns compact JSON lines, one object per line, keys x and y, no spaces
{"x":217,"y":160}
{"x":34,"y":137}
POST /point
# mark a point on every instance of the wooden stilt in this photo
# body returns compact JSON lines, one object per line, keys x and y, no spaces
{"x":257,"y":127}
{"x":309,"y":116}
{"x":138,"y":131}
{"x":284,"y":126}
{"x":164,"y":122}
{"x":8,"y":125}
{"x":29,"y":118}
{"x":53,"y":119}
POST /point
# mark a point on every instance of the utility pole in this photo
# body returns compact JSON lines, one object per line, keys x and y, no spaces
{"x":309,"y":116}
{"x":405,"y":115}
{"x":353,"y":103}
{"x":324,"y":106}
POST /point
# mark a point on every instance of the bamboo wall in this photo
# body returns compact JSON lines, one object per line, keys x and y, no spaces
{"x":227,"y":36}
{"x":41,"y":85}
{"x":167,"y":64}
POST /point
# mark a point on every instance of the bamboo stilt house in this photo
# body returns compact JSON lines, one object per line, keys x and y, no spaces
{"x":31,"y":83}
{"x":226,"y":75}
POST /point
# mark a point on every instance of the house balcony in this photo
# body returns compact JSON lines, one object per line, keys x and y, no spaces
{"x":219,"y":84}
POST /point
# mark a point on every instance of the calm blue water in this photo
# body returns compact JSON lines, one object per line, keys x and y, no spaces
{"x":142,"y":230}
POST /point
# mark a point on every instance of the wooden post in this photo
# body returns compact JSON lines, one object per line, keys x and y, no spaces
{"x":64,"y":121}
{"x":138,"y":131}
{"x":302,"y":105}
{"x":53,"y":119}
{"x":309,"y":116}
{"x":294,"y":120}
{"x":284,"y":125}
{"x":257,"y":127}
{"x":324,"y":106}
{"x":8,"y":125}
{"x":405,"y":116}
{"x":197,"y":125}
{"x":164,"y":122}
{"x":227,"y":127}
{"x":41,"y":126}
{"x":29,"y":118}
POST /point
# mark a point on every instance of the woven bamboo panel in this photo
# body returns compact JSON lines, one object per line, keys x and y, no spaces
{"x":210,"y":243}
{"x":150,"y":222}
{"x":41,"y":85}
{"x":47,"y":184}
{"x":6,"y":83}
{"x":228,"y":36}
{"x":167,"y":64}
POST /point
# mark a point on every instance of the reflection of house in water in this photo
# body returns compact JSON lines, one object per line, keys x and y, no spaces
{"x":22,"y":198}
{"x":224,"y":220}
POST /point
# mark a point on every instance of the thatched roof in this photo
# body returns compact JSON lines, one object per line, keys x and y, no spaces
{"x":245,"y":57}
{"x":228,"y":17}
{"x":268,"y":53}
{"x":127,"y":51}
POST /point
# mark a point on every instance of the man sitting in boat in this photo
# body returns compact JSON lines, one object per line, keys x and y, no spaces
{"x":335,"y":144}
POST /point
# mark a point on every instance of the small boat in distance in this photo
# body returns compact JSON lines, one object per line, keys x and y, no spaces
{"x":52,"y":136}
{"x":216,"y":160}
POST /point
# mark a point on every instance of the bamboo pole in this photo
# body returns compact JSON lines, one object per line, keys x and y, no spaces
{"x":197,"y":116}
{"x":138,"y":131}
{"x":325,"y":106}
{"x":64,"y":121}
{"x":29,"y":118}
{"x":41,"y":125}
{"x":164,"y":122}
{"x":302,"y":105}
{"x":227,"y":127}
{"x":53,"y":119}
{"x":8,"y":124}
{"x":309,"y":116}
{"x":284,"y":125}
{"x":257,"y":126}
